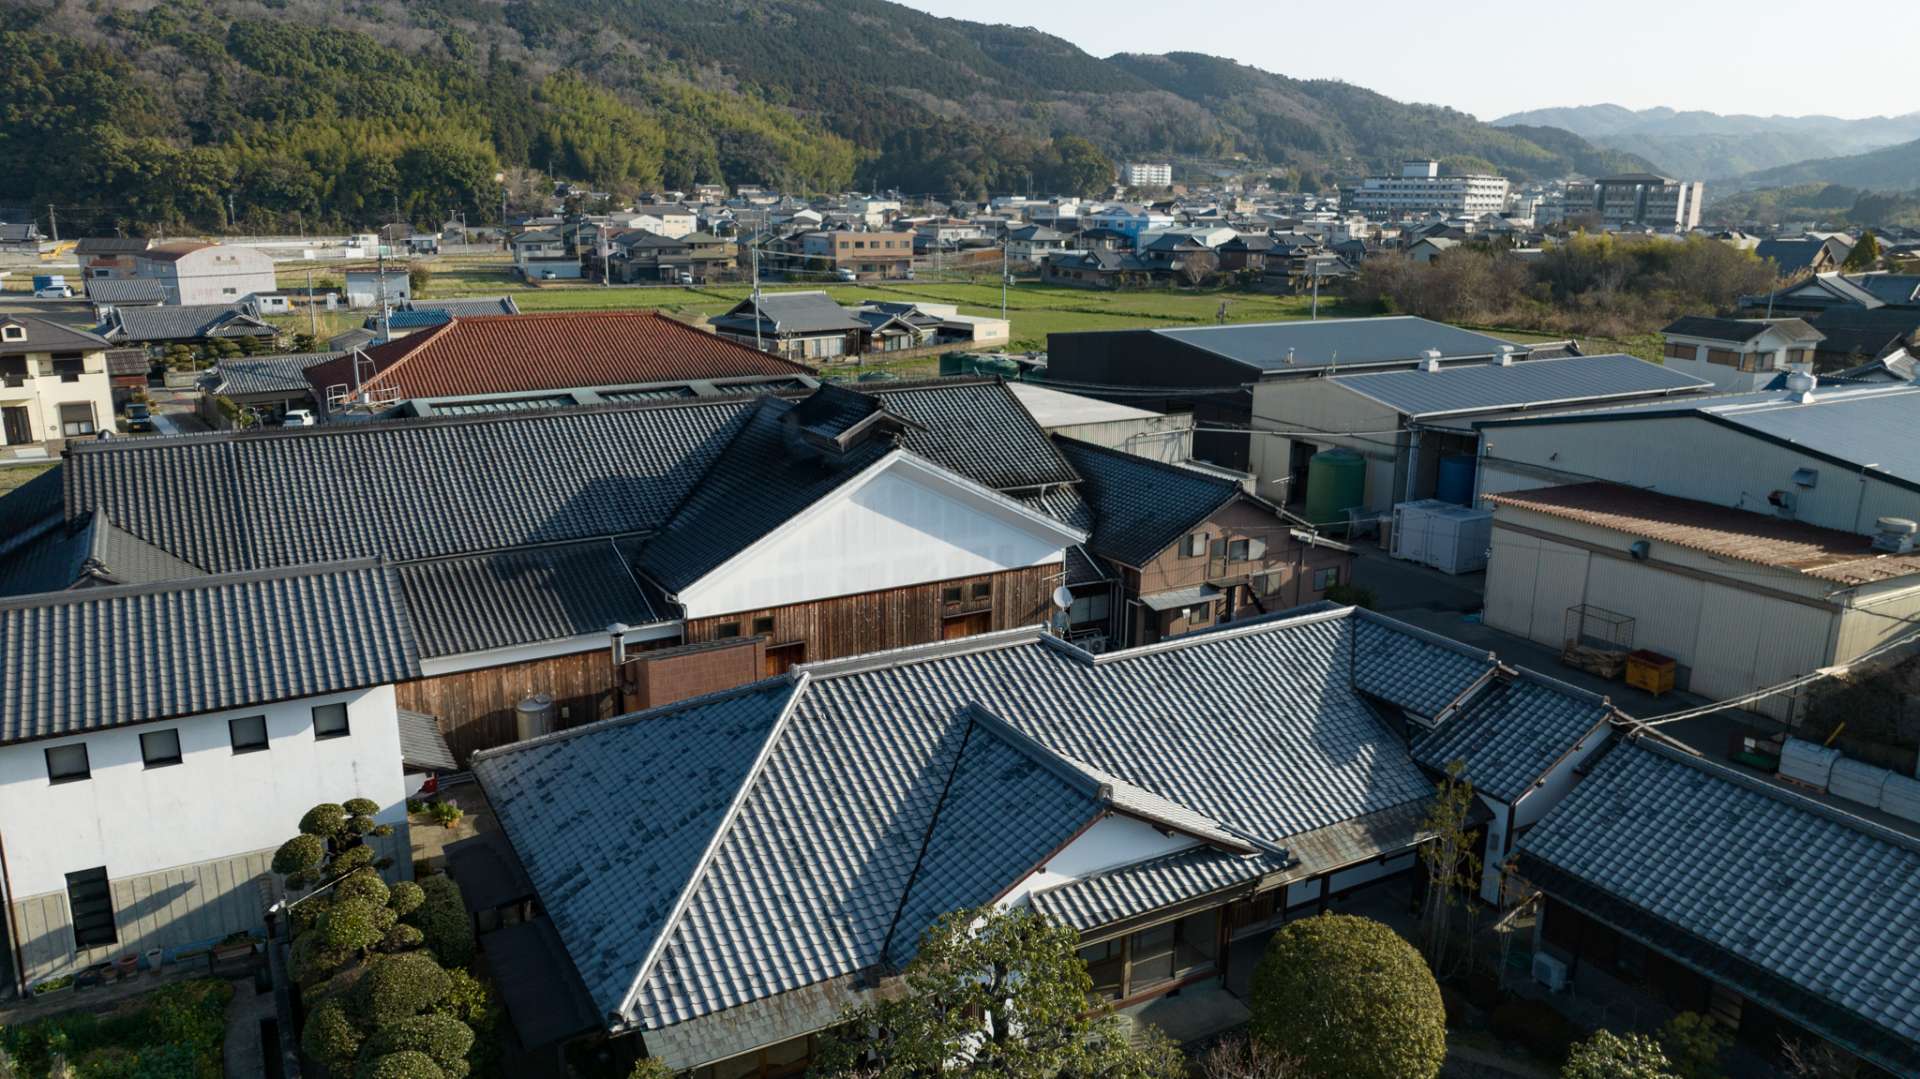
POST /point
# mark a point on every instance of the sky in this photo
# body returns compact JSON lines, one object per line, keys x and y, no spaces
{"x":1493,"y":57}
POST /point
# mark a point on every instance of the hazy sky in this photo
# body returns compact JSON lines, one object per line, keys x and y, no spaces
{"x":1492,"y":57}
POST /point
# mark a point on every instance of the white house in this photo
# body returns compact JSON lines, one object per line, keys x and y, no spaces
{"x":193,"y":272}
{"x":53,"y":382}
{"x":371,"y":288}
{"x":1739,"y":354}
{"x":156,"y":747}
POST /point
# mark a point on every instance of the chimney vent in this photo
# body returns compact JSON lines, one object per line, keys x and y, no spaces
{"x":1430,"y":360}
{"x":1801,"y":383}
{"x":1894,"y":535}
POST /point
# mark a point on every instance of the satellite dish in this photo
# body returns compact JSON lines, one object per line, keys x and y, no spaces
{"x":1062,"y":597}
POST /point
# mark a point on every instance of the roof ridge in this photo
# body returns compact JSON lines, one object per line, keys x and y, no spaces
{"x":1230,"y":632}
{"x":183,"y":584}
{"x":919,"y":653}
{"x":775,"y":732}
{"x":1076,"y":773}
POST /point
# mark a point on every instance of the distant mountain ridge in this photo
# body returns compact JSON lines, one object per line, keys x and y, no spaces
{"x":1892,"y":168}
{"x":1695,"y":144}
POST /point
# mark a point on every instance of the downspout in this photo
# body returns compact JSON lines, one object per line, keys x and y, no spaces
{"x":13,"y":925}
{"x":1413,"y":461}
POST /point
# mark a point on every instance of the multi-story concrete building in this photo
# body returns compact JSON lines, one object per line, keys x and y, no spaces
{"x":1420,"y":189}
{"x":863,"y":254}
{"x":1147,"y":174}
{"x":53,"y":382}
{"x":1638,"y":198}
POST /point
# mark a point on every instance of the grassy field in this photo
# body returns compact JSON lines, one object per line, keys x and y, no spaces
{"x":12,"y":476}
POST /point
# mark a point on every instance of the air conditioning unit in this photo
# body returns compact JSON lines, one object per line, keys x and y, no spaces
{"x":1549,"y":971}
{"x":1894,"y":535}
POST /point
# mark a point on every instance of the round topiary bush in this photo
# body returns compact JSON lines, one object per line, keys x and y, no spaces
{"x":405,"y":897}
{"x":441,"y":1037}
{"x":363,"y":884}
{"x":324,"y":820}
{"x":300,"y":855}
{"x":1351,"y":999}
{"x":407,"y":1065}
{"x":399,"y":987}
{"x":329,"y":1039}
{"x":360,"y":807}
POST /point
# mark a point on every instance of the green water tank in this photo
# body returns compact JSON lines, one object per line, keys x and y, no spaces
{"x":955,"y":363}
{"x":1336,"y":483}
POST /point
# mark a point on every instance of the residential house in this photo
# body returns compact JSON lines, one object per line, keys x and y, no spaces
{"x":486,"y":355}
{"x":537,"y":244}
{"x":1114,"y":793}
{"x":1837,"y":291}
{"x":108,"y":257}
{"x":107,"y":293}
{"x":865,"y":255}
{"x":1245,"y":252}
{"x":194,"y":273}
{"x":1404,"y":424}
{"x":53,"y":382}
{"x":1130,"y":221}
{"x":157,"y":327}
{"x":669,"y":219}
{"x":1172,"y":549}
{"x":378,"y":287}
{"x":1740,"y":354}
{"x":1220,"y":374}
{"x":941,"y":323}
{"x":269,"y":385}
{"x":1429,"y":248}
{"x":1097,"y":267}
{"x":796,"y":325}
{"x":1690,"y":880}
{"x":1851,"y":336}
{"x":141,"y":821}
{"x":20,"y":237}
{"x":1804,"y":255}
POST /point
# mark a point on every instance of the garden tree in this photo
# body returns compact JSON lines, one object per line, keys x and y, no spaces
{"x":1247,"y":1058}
{"x":1198,"y":266}
{"x":1453,"y":867}
{"x":332,"y":843}
{"x":650,"y":1068}
{"x":1694,"y":1042}
{"x":1865,"y":254}
{"x":997,"y":995}
{"x":418,"y":275}
{"x":1813,"y":1059}
{"x":1606,"y":1055}
{"x":1352,"y":999}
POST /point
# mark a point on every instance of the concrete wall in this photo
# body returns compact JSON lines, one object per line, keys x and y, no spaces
{"x":1168,"y":439}
{"x":42,"y":393}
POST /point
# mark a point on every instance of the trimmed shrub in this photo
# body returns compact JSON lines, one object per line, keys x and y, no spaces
{"x":442,"y":918}
{"x":650,"y":1068}
{"x":1350,"y":998}
{"x":405,"y":897}
{"x":402,"y":938}
{"x":360,"y":807}
{"x":325,"y":820}
{"x":362,"y":884}
{"x":1610,"y":1056}
{"x":300,"y":855}
{"x":1536,"y":1025}
{"x":470,"y":1000}
{"x":407,"y":1065}
{"x":441,"y":1037}
{"x":399,"y":987}
{"x":329,"y":1039}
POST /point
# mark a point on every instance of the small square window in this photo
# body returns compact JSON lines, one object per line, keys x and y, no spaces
{"x":727,"y":629}
{"x":67,"y":764}
{"x":160,"y":748}
{"x":1326,"y":578}
{"x":1237,"y":550}
{"x":763,"y":627}
{"x":249,"y":733}
{"x":951,"y":594}
{"x":983,"y":590}
{"x":329,"y":720}
{"x":1201,"y":615}
{"x":1196,"y":545}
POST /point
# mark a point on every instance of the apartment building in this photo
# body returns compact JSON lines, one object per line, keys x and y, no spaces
{"x":1147,"y":174}
{"x":1639,"y":198}
{"x":866,"y":255}
{"x":1420,"y":189}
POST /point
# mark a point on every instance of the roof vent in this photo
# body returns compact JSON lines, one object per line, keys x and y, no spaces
{"x":1894,"y":535}
{"x":1430,"y":360}
{"x":1800,"y":384}
{"x":1288,"y":360}
{"x":1506,"y":356}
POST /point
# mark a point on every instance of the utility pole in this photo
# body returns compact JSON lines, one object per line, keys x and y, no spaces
{"x":753,"y":248}
{"x":1316,"y":292}
{"x":380,"y":292}
{"x":313,"y":316}
{"x":1004,"y":276}
{"x":53,"y":223}
{"x":230,"y":213}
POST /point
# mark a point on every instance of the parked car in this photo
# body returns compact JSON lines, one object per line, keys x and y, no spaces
{"x":54,"y":292}
{"x":139,"y":416}
{"x":297,"y":417}
{"x":846,"y":275}
{"x":684,"y":278}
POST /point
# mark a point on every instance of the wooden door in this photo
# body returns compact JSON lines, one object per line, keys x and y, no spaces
{"x":18,"y":430}
{"x":781,"y":658}
{"x":966,"y":625}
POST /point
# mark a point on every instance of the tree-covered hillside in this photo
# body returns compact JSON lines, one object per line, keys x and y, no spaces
{"x":334,"y":113}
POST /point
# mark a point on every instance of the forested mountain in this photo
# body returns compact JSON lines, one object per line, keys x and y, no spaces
{"x":323,"y":113}
{"x":1894,"y":168}
{"x":1707,"y":145}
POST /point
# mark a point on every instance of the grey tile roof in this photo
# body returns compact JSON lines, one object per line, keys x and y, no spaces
{"x":1411,"y":668}
{"x":1509,"y":735}
{"x":1347,"y":342}
{"x":205,"y":645}
{"x":807,"y":312}
{"x":1488,"y":387}
{"x":978,"y":429}
{"x":611,"y":888}
{"x":279,"y":373}
{"x":422,"y":746}
{"x":88,"y":552}
{"x":181,"y":323}
{"x":1141,"y":507}
{"x":116,"y":290}
{"x":479,"y":602}
{"x":804,"y":884}
{"x":1810,"y":911}
{"x":43,"y":335}
{"x":1142,"y":887}
{"x":479,"y":305}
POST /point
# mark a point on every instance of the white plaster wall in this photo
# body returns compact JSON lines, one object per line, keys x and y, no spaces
{"x":1112,"y":841}
{"x":895,"y":529}
{"x":44,"y":393}
{"x":214,"y":804}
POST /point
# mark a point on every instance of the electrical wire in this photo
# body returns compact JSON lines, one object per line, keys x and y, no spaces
{"x":1784,"y":687}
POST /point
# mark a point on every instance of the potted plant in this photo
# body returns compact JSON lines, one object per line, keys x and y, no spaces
{"x":50,"y":986}
{"x":236,"y":945}
{"x":154,"y":957}
{"x":128,"y":965}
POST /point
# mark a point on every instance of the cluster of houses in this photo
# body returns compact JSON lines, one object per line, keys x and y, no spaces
{"x":783,"y":668}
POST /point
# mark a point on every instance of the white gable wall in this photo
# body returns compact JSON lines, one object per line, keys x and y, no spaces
{"x":1113,"y":841}
{"x":903,"y":523}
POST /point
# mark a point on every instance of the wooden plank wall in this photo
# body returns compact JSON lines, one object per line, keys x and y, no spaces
{"x":188,"y":905}
{"x":476,"y":707}
{"x":893,"y":618}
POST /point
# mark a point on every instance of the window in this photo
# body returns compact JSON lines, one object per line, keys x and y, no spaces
{"x":726,"y":629}
{"x":69,"y":367}
{"x":329,"y":720}
{"x":1200,"y":615}
{"x":90,"y":901}
{"x":951,"y":594}
{"x":67,"y":764}
{"x":1324,"y":579}
{"x":249,"y":733}
{"x":160,"y":748}
{"x":13,"y":331}
{"x":763,"y":627}
{"x":1723,"y":357}
{"x":1196,"y":545}
{"x":1237,"y":550}
{"x":983,"y":590}
{"x":76,"y":419}
{"x":1088,"y":609}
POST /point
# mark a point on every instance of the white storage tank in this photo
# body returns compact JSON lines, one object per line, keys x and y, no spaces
{"x":1857,"y":781}
{"x":1901,"y":797}
{"x":533,"y":716}
{"x":1808,"y":762}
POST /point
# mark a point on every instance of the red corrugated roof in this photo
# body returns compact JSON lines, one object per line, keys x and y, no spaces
{"x":561,"y":350}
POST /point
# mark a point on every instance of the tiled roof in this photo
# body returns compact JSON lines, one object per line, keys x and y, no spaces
{"x":1411,"y":668}
{"x":478,"y":305}
{"x":187,"y":647}
{"x":1513,"y":733}
{"x":790,"y":312}
{"x":978,"y":429}
{"x":807,"y":882}
{"x":1810,"y":912}
{"x":1486,"y":387}
{"x":422,"y":746}
{"x":182,"y":323}
{"x":515,"y":353}
{"x":1824,"y":553}
{"x":277,"y":373}
{"x":533,"y":594}
{"x":1141,"y":507}
{"x":31,"y":504}
{"x":44,"y":336}
{"x":134,"y":290}
{"x":90,"y":551}
{"x":125,"y":362}
{"x":1738,"y":329}
{"x":1106,"y":898}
